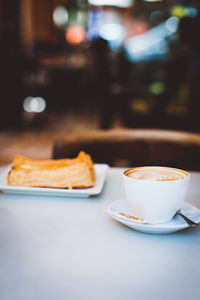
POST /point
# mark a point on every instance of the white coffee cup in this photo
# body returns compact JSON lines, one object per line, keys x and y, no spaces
{"x":155,"y":193}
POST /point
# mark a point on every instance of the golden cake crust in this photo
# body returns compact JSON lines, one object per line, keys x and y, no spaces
{"x":53,"y":173}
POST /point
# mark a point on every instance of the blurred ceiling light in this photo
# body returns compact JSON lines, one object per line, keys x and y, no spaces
{"x":153,"y":0}
{"x":34,"y":104}
{"x":146,"y":40}
{"x":119,"y":3}
{"x":172,"y":24}
{"x":60,"y":16}
{"x":112,"y":31}
{"x":151,"y":43}
{"x":75,"y":34}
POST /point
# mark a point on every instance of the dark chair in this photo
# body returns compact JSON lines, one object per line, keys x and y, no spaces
{"x":135,"y":147}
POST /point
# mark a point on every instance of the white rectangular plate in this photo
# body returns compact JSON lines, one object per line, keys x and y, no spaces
{"x":100,"y":169}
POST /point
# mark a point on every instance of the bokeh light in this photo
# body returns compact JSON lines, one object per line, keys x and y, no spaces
{"x":172,"y":24}
{"x":75,"y":34}
{"x":60,"y":16}
{"x":191,"y":12}
{"x":157,"y":88}
{"x":178,"y":11}
{"x":34,"y":104}
{"x":156,"y":16}
{"x":112,"y":31}
{"x":153,"y":0}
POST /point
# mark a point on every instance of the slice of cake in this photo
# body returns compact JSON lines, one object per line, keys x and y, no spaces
{"x":59,"y":173}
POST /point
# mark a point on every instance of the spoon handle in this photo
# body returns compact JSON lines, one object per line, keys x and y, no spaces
{"x":187,"y":220}
{"x":130,"y":217}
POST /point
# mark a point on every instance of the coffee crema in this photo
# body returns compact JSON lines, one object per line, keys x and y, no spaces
{"x":156,"y":173}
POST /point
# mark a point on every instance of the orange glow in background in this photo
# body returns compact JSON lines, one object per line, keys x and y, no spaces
{"x":75,"y":34}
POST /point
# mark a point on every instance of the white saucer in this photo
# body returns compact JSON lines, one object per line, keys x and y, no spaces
{"x":176,"y":224}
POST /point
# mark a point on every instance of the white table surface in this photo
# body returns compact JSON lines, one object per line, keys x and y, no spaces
{"x":69,"y":248}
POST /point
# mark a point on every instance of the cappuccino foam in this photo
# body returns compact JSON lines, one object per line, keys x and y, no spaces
{"x":156,"y":174}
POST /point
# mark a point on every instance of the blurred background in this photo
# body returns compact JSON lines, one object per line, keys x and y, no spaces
{"x":74,"y":65}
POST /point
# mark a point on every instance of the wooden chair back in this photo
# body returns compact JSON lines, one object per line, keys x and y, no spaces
{"x":135,"y":147}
